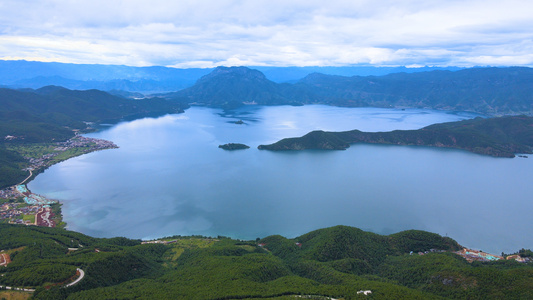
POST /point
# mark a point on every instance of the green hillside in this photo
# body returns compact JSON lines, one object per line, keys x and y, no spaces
{"x":332,"y":262}
{"x":492,"y":91}
{"x":233,"y":87}
{"x":53,"y":114}
{"x":485,"y":90}
{"x":11,"y":168}
{"x":500,"y":137}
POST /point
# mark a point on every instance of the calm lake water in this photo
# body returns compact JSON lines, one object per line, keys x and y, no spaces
{"x":169,"y":177}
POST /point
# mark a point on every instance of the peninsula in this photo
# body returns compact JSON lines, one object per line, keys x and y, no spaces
{"x":498,"y":137}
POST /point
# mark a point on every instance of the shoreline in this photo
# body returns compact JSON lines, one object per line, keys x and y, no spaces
{"x":22,"y":202}
{"x":28,"y":180}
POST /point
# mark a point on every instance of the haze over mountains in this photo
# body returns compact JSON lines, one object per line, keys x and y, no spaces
{"x":33,"y":74}
{"x":495,"y":91}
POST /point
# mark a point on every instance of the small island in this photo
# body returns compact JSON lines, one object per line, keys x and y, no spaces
{"x":233,"y":146}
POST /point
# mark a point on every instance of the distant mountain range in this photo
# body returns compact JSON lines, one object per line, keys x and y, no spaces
{"x":32,"y":74}
{"x":493,"y":91}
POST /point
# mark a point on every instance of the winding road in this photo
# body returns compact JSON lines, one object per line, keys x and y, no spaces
{"x":78,"y":270}
{"x":31,"y":174}
{"x":82,"y":274}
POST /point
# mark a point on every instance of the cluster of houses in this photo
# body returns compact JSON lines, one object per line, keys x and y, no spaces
{"x":81,"y":141}
{"x":13,"y":213}
{"x":40,"y":161}
{"x":87,"y":144}
{"x":519,"y":258}
{"x":475,"y":255}
{"x":9,"y":193}
{"x":35,"y":205}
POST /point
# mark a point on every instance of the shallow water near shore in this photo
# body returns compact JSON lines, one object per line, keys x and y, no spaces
{"x":170,"y":178}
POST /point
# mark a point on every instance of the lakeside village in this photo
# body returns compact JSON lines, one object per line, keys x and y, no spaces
{"x":18,"y":205}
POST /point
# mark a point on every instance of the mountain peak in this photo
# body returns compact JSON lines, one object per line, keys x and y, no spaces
{"x":234,"y":72}
{"x":230,"y":87}
{"x":49,"y":89}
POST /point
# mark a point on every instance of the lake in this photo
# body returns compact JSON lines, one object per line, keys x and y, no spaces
{"x":170,"y":178}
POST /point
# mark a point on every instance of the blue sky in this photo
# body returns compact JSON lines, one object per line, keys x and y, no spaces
{"x":269,"y":33}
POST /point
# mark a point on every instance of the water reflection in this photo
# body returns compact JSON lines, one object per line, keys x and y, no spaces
{"x":169,"y":177}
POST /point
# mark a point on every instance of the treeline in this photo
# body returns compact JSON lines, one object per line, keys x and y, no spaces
{"x":10,"y":168}
{"x":450,"y":276}
{"x":333,"y":262}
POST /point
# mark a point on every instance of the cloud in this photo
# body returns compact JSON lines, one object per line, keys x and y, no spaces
{"x":279,"y":33}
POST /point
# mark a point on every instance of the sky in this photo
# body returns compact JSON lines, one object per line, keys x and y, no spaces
{"x":209,"y":33}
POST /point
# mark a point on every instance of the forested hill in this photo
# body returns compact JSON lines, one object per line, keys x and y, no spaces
{"x":236,"y":86}
{"x":496,"y":91}
{"x":483,"y":90}
{"x":51,"y":113}
{"x":501,"y":137}
{"x":335,"y":262}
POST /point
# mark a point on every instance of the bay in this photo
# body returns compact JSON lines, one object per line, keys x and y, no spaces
{"x":170,"y":178}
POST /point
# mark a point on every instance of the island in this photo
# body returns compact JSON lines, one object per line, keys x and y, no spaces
{"x":498,"y":137}
{"x":233,"y":146}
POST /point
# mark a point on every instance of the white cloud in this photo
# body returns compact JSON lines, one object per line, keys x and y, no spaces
{"x":210,"y":33}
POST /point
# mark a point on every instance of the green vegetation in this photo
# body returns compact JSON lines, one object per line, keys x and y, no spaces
{"x":32,"y":120}
{"x":30,"y":218}
{"x":494,"y":91}
{"x":233,"y":146}
{"x":11,"y":165}
{"x":58,"y":217}
{"x":50,"y":113}
{"x":38,"y":150}
{"x":15,"y":159}
{"x":332,"y":262}
{"x":14,"y":295}
{"x":500,"y":137}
